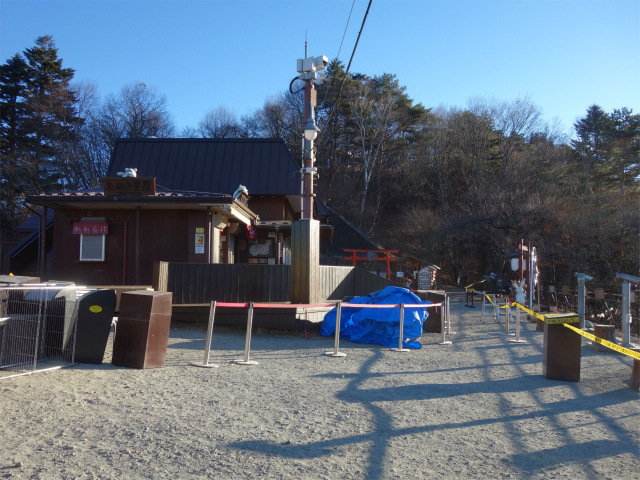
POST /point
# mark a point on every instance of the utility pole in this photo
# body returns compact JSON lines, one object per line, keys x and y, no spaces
{"x":305,"y":233}
{"x":308,"y":68}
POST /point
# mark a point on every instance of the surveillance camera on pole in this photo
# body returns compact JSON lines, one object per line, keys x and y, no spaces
{"x":308,"y":69}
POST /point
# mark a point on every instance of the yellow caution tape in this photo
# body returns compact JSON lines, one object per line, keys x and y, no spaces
{"x":566,"y":321}
{"x":551,"y":319}
{"x":490,"y":300}
{"x":474,"y":283}
{"x":601,"y":341}
{"x":531,"y":312}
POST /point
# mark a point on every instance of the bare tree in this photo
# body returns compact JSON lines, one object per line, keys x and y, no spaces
{"x":219,"y":122}
{"x":382,"y":113}
{"x":138,"y":111}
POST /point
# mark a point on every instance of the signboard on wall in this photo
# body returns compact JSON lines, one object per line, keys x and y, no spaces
{"x":129,"y":185}
{"x":261,"y":248}
{"x":90,"y":228}
{"x":199,"y":240}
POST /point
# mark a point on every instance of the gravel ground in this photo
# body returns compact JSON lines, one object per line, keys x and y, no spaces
{"x":478,"y":408}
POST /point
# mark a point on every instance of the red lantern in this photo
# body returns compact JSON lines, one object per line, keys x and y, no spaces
{"x":251,"y":233}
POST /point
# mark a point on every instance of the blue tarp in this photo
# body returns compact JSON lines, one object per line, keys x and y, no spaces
{"x":379,"y":325}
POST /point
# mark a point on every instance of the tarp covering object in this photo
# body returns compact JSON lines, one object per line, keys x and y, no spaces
{"x":379,"y":325}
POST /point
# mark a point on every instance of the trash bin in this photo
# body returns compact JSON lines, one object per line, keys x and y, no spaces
{"x":142,"y":331}
{"x":95,"y":315}
{"x":433,"y":323}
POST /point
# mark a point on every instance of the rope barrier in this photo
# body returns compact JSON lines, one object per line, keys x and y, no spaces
{"x":443,"y":321}
{"x":207,"y":348}
{"x":247,"y":343}
{"x":338,"y":305}
{"x":517,"y":339}
{"x":401,"y":336}
{"x":606,"y":343}
{"x":335,"y":352}
{"x":566,"y":321}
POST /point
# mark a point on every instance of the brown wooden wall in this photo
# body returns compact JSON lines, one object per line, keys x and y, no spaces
{"x":339,"y":282}
{"x":164,"y":235}
{"x":203,"y":283}
{"x":271,"y":207}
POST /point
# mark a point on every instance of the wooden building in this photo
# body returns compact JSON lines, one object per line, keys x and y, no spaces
{"x":186,"y":204}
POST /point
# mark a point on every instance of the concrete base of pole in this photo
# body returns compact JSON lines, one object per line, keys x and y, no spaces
{"x":336,"y":354}
{"x":248,"y":362}
{"x":396,"y":349}
{"x":204,"y":365}
{"x":517,"y":341}
{"x":446,"y":342}
{"x":508,"y":334}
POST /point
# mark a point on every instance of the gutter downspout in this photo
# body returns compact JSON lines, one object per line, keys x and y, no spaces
{"x":43,"y":244}
{"x":138,"y":208}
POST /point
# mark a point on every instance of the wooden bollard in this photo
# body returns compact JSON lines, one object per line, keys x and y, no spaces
{"x":634,"y":382}
{"x":605,"y":332}
{"x":561,"y":349}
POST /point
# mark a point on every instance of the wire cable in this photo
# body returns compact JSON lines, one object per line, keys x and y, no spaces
{"x":346,"y":73}
{"x":326,"y":93}
{"x":345,"y":29}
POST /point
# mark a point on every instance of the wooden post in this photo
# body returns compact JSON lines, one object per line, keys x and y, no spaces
{"x":634,"y":381}
{"x":305,"y":261}
{"x":561,"y":350}
{"x":160,"y":280}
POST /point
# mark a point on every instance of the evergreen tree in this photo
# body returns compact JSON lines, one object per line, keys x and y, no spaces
{"x":608,"y":148}
{"x":50,"y":115}
{"x":37,"y":113}
{"x":13,"y":86}
{"x":591,"y":147}
{"x":13,"y":76}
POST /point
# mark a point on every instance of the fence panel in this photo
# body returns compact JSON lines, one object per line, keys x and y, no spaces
{"x":37,"y":328}
{"x":205,"y":282}
{"x":366,"y":282}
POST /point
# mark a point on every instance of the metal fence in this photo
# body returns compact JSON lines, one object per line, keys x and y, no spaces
{"x":37,"y":328}
{"x":603,"y":304}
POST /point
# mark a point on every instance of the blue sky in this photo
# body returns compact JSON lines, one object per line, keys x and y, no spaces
{"x":564,"y":54}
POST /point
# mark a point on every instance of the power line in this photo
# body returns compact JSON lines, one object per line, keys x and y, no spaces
{"x":345,"y":29}
{"x":326,"y":94}
{"x":346,"y":73}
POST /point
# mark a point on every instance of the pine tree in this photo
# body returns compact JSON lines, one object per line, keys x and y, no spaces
{"x":608,"y":147}
{"x":50,"y":104}
{"x":37,"y":115}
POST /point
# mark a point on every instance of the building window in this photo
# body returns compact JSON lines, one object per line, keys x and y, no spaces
{"x":92,"y":246}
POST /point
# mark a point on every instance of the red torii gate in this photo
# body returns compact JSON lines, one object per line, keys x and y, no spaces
{"x":387,"y":257}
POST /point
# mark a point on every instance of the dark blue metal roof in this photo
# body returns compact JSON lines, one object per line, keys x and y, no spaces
{"x":214,"y":165}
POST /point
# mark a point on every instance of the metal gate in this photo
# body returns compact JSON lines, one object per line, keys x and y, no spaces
{"x":37,"y":328}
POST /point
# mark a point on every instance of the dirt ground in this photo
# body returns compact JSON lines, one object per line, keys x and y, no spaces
{"x":478,"y":408}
